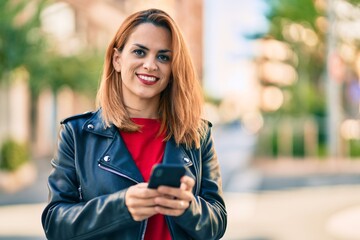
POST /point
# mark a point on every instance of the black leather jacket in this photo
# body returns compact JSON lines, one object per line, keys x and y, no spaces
{"x":92,"y":169}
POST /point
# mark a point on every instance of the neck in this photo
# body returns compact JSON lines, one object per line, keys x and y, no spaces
{"x":138,"y":113}
{"x":145,"y":109}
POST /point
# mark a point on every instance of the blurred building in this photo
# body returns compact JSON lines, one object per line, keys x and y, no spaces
{"x":220,"y":41}
{"x":243,"y":74}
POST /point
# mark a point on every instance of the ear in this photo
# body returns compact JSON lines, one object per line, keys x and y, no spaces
{"x":116,"y":60}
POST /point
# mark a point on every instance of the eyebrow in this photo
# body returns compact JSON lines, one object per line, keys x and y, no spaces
{"x":145,"y":48}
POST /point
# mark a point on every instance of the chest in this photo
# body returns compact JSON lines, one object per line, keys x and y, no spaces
{"x":105,"y":165}
{"x":146,"y":149}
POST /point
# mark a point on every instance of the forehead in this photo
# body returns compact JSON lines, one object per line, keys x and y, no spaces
{"x":150,"y":35}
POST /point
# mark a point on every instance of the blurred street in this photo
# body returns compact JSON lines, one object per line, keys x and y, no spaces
{"x":287,"y":201}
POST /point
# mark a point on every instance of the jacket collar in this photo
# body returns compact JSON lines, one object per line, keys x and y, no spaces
{"x":120,"y":158}
{"x":96,"y":125}
{"x":175,"y":154}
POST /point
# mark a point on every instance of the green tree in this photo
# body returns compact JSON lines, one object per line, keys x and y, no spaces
{"x":303,"y":26}
{"x":295,"y":23}
{"x":20,"y":45}
{"x":24,"y":48}
{"x":306,"y":20}
{"x":20,"y":40}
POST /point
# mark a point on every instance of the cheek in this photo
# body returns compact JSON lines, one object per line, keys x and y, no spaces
{"x":166,"y":78}
{"x":166,"y":84}
{"x":168,"y":73}
{"x":125,"y":71}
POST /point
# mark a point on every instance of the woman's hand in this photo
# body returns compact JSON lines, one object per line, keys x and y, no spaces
{"x":140,"y":201}
{"x":174,"y":201}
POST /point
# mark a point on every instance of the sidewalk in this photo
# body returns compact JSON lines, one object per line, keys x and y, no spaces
{"x":298,"y":213}
{"x":319,"y":213}
{"x":20,"y":211}
{"x":21,"y":222}
{"x":326,"y":213}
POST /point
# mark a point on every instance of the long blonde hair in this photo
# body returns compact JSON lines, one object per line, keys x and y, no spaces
{"x":181,"y":102}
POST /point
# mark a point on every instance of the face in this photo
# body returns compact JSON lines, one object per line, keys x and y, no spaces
{"x":144,"y":64}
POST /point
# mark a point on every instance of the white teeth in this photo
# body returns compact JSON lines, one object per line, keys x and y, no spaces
{"x":146,"y":78}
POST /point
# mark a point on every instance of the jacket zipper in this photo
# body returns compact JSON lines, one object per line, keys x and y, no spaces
{"x":197,"y":186}
{"x":116,"y":172}
{"x":168,"y":222}
{"x":143,"y":233}
{"x":127,"y":177}
{"x":80,"y":193}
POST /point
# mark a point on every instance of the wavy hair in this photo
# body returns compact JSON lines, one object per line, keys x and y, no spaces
{"x":181,"y":101}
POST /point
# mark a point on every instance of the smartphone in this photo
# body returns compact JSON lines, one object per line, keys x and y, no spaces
{"x":167,"y":175}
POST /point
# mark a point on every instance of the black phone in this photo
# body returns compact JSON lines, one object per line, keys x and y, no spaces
{"x":167,"y":175}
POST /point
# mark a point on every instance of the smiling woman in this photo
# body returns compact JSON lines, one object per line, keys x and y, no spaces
{"x":145,"y":67}
{"x":149,"y":113}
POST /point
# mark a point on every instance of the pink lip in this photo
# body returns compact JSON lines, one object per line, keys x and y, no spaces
{"x":145,"y":81}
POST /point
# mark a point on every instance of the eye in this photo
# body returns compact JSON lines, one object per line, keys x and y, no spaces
{"x":139,"y":52}
{"x":163,"y":58}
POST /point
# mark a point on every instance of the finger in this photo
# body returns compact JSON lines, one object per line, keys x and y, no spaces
{"x":136,"y":196}
{"x":172,"y":203}
{"x":177,"y":193}
{"x":168,"y":196}
{"x":169,"y":211}
{"x":183,"y":186}
{"x":132,"y":202}
{"x":142,"y":185}
{"x":170,"y":192}
{"x":139,"y":214}
{"x":188,"y":181}
{"x":141,"y":191}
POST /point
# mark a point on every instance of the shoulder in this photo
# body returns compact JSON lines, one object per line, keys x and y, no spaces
{"x":207,"y":123}
{"x":205,"y":130}
{"x":82,"y":116}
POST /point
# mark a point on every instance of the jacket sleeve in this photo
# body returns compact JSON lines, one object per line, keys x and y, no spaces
{"x":206,"y":218}
{"x":66,"y":216}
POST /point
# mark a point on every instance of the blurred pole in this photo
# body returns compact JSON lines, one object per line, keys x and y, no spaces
{"x":332,"y":88}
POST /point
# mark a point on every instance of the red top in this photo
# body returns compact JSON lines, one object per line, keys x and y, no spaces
{"x":147,"y":149}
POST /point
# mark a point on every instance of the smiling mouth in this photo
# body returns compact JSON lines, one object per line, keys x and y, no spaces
{"x":149,"y":80}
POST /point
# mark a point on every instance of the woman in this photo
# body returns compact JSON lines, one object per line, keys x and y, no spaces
{"x":149,"y":112}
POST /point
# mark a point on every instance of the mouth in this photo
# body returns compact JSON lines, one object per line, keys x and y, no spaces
{"x":147,"y":79}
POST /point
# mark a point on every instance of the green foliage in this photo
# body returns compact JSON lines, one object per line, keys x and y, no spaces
{"x":13,"y":154}
{"x":292,"y":22}
{"x":23,"y":44}
{"x":25,"y":47}
{"x":283,"y":11}
{"x":354,"y":147}
{"x":307,"y":95}
{"x":271,"y":137}
{"x":80,"y":72}
{"x":20,"y":40}
{"x":354,"y":2}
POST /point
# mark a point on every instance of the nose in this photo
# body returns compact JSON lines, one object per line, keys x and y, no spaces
{"x":150,"y":64}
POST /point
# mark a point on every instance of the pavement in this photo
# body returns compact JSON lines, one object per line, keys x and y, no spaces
{"x":267,"y":200}
{"x":319,"y":213}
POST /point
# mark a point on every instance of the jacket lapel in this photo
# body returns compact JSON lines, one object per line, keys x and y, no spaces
{"x":175,"y":154}
{"x":116,"y":158}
